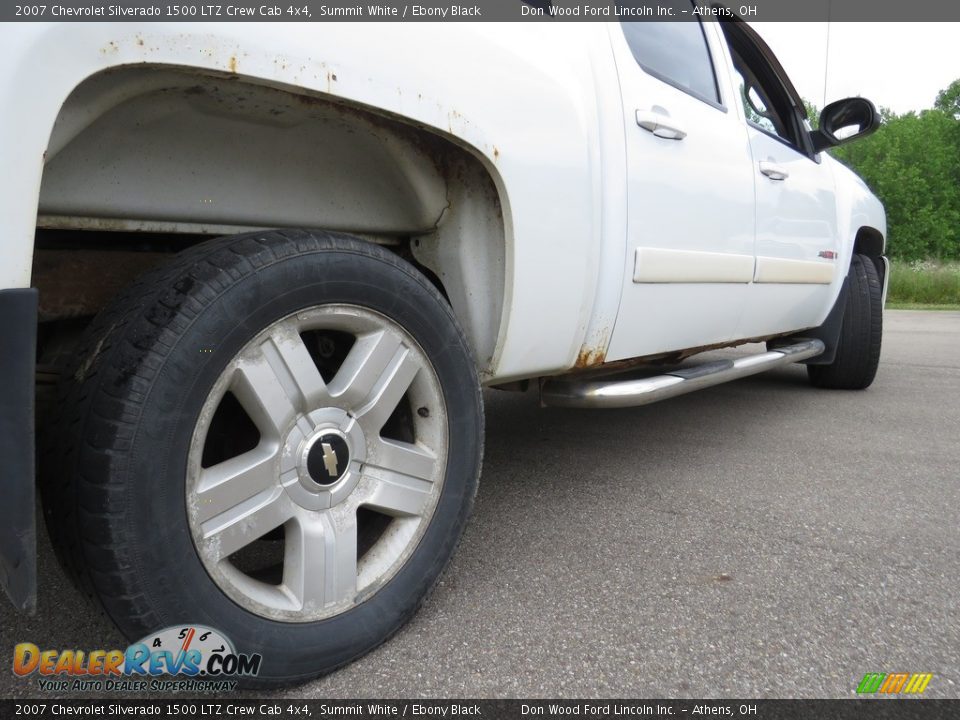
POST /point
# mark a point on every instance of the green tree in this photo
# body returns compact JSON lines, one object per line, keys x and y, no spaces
{"x":948,"y":100}
{"x":912,"y":163}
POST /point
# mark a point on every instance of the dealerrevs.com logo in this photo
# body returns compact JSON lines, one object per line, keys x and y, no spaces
{"x":191,"y":658}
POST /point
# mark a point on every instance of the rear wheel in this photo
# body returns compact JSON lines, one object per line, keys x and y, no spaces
{"x":279,"y":436}
{"x":858,"y":347}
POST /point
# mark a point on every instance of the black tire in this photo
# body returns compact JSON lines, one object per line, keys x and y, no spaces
{"x":114,"y":468}
{"x":858,"y":349}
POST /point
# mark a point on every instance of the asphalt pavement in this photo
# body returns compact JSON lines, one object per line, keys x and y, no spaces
{"x":758,"y":539}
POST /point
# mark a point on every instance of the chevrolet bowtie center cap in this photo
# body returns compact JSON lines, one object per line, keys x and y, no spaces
{"x":328,"y":458}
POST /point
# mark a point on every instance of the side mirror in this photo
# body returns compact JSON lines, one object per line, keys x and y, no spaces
{"x":843,"y":121}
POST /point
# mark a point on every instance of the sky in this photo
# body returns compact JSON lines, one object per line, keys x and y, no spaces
{"x":901,"y":66}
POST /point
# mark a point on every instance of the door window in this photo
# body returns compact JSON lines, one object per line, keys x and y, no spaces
{"x":675,"y":52}
{"x":766,"y":103}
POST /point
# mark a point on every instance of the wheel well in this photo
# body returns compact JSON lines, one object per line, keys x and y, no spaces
{"x":871,"y":243}
{"x":868,"y":242}
{"x":152,"y":158}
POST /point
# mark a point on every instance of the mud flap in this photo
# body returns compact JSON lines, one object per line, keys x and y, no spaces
{"x":828,"y":333}
{"x":18,"y":347}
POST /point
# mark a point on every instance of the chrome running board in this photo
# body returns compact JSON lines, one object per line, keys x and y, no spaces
{"x":617,"y":393}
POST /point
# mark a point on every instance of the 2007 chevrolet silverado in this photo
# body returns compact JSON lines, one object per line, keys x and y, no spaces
{"x":255,"y":277}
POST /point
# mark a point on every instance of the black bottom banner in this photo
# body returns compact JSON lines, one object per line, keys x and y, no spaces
{"x":520,"y":709}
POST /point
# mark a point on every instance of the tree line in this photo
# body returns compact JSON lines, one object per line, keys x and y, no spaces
{"x":912,"y":163}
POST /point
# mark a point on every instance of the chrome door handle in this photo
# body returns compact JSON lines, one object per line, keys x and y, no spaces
{"x":660,"y":124}
{"x":773,"y":171}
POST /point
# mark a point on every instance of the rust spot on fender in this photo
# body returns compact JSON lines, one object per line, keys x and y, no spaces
{"x":233,"y":64}
{"x":331,"y":78}
{"x":590,"y":357}
{"x":496,"y":153}
{"x":593,"y":355}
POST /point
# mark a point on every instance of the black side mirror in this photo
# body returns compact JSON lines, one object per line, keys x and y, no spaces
{"x":843,"y":121}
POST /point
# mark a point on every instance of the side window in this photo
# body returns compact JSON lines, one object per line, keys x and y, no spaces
{"x":766,"y":105}
{"x":675,"y":52}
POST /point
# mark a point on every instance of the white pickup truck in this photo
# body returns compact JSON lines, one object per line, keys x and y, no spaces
{"x":255,"y":277}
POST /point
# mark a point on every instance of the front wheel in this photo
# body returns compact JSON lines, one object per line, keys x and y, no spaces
{"x":279,"y":436}
{"x":858,"y":347}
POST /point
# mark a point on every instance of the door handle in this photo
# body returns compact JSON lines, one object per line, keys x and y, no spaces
{"x":773,"y":171}
{"x":660,"y":124}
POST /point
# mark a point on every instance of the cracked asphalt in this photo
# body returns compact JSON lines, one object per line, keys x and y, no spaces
{"x":758,"y":539}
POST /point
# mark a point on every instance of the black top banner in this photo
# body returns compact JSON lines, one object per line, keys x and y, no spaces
{"x":481,"y":10}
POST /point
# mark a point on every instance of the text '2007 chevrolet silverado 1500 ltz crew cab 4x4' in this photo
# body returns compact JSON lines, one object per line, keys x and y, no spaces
{"x":261,"y":275}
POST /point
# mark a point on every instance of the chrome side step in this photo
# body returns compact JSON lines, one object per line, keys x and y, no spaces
{"x":617,"y":393}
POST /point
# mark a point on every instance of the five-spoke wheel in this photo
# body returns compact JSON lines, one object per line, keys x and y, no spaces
{"x":371,"y":437}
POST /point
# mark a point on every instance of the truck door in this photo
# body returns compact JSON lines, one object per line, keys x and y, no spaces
{"x":690,"y":185}
{"x":797,"y":236}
